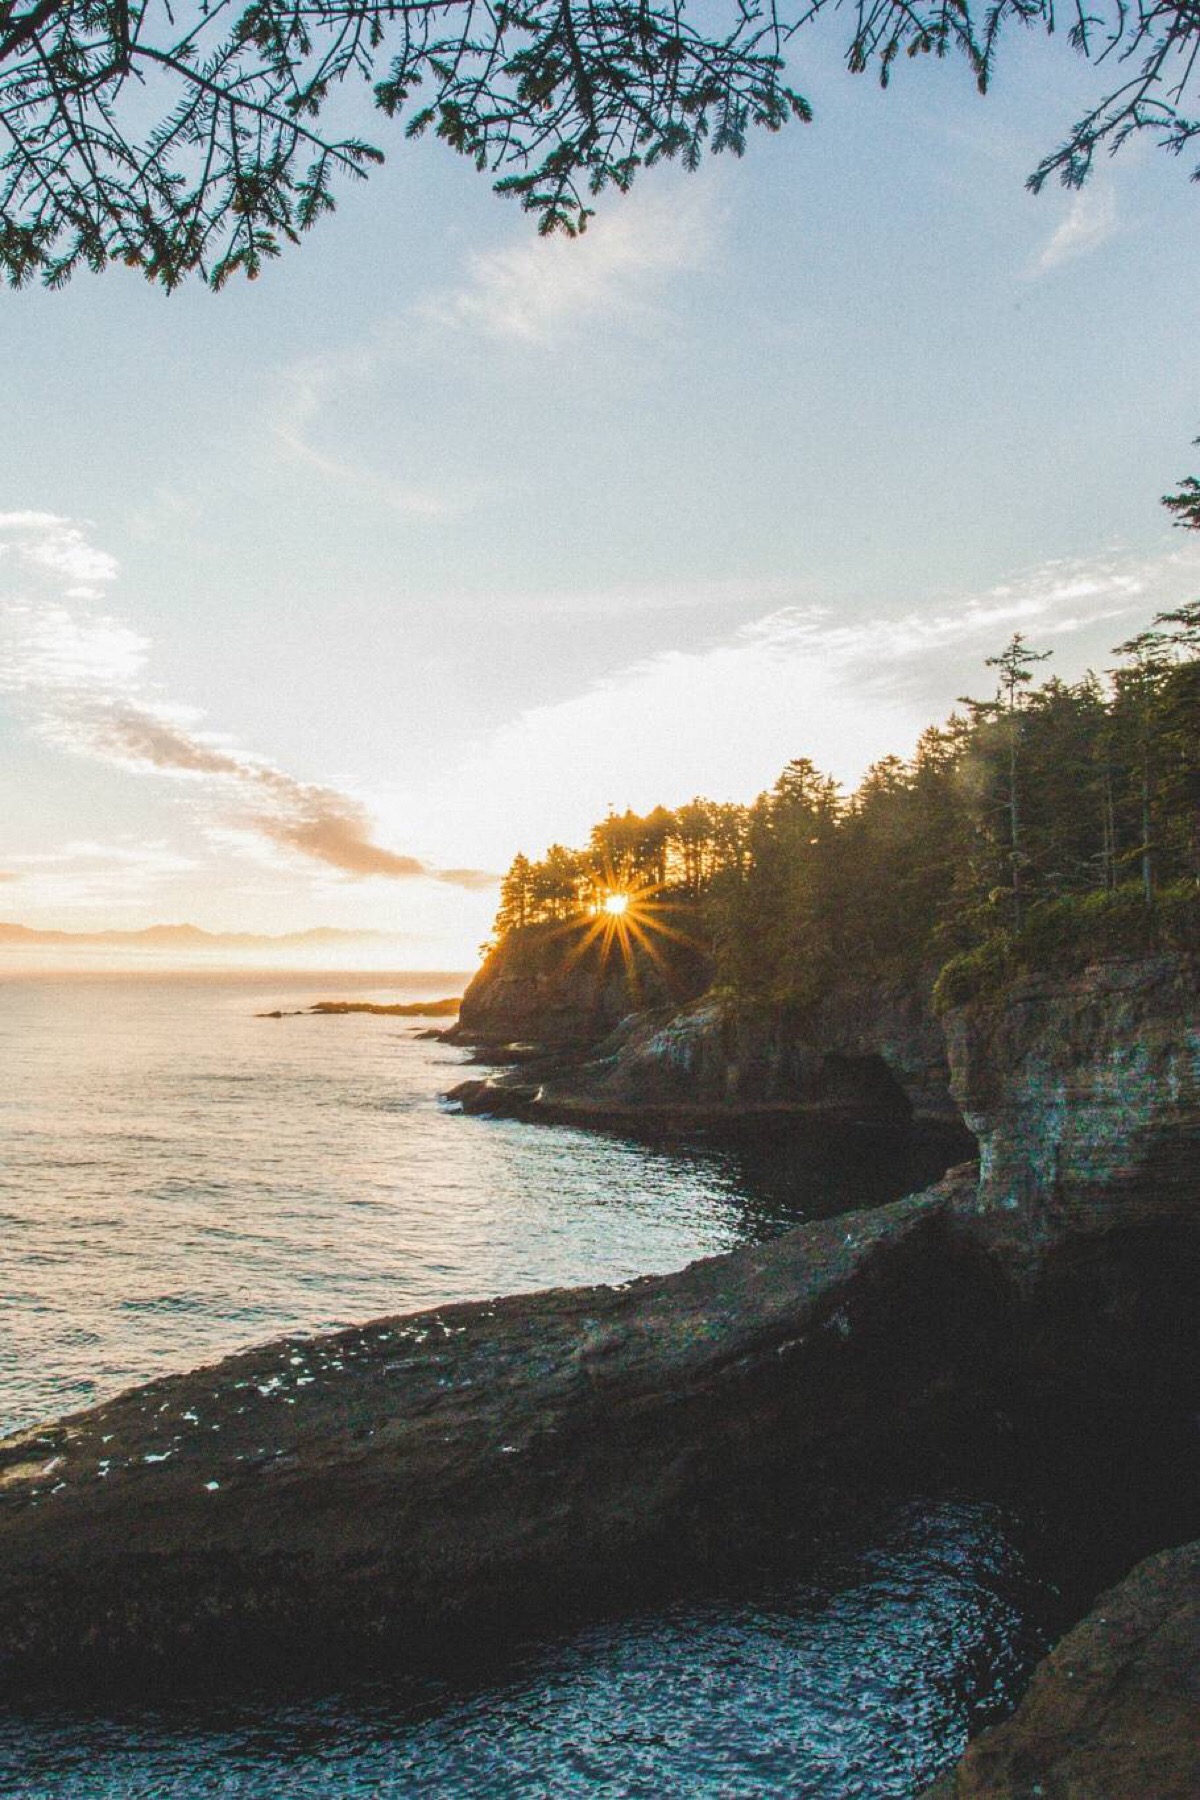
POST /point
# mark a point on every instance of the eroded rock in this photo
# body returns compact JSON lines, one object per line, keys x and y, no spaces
{"x":1084,"y":1094}
{"x":518,"y":1460}
{"x":1113,"y":1713}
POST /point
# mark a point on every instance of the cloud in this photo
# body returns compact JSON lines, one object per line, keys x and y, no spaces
{"x":84,"y":676}
{"x":471,"y":879}
{"x":305,"y":389}
{"x":800,"y":681}
{"x":529,"y":291}
{"x":86,"y":873}
{"x":53,"y":649}
{"x":1090,"y":219}
{"x":914,"y":652}
{"x":332,"y":829}
{"x":49,"y":542}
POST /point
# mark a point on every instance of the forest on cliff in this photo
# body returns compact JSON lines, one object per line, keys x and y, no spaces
{"x":1052,"y":821}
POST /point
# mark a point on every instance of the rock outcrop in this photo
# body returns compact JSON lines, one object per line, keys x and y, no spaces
{"x":1083,"y":1092}
{"x":866,"y":1055}
{"x":1114,"y":1712}
{"x":520,"y":1460}
{"x":534,"y":1458}
{"x":553,"y":986}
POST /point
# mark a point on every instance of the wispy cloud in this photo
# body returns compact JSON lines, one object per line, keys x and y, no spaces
{"x":913,"y":650}
{"x":1090,"y":219}
{"x":800,"y":681}
{"x":41,"y":540}
{"x":303,"y":395}
{"x":83,"y":873}
{"x":531,"y":290}
{"x":84,"y":675}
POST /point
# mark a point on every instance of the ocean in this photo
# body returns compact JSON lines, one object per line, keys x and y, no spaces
{"x":181,"y":1177}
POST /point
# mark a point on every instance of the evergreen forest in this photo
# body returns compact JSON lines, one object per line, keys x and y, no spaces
{"x":1053,"y":821}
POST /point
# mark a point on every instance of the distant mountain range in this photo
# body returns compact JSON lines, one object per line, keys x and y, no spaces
{"x":185,"y":937}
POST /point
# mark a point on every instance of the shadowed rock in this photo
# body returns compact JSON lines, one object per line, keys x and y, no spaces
{"x":1114,"y":1712}
{"x":511,"y":1461}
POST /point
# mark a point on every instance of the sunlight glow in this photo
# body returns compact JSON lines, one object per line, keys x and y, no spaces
{"x":624,"y":920}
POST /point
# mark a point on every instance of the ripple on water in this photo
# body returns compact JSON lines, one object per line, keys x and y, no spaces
{"x":189,"y":1180}
{"x":863,"y":1678}
{"x":196,"y":1178}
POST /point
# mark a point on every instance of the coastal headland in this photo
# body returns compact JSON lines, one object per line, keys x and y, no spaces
{"x":503,"y":1465}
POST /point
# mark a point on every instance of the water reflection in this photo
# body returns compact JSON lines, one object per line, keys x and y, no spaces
{"x":182,"y":1179}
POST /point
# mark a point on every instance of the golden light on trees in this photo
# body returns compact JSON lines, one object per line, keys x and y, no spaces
{"x":624,"y":921}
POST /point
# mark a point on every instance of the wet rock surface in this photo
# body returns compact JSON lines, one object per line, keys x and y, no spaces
{"x":1113,"y":1712}
{"x":504,"y":1464}
{"x":528,"y":1458}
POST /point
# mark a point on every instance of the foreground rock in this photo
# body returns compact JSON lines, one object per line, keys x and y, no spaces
{"x":532,"y":1459}
{"x":406,"y":1009}
{"x":527,"y":1459}
{"x":557,"y":986}
{"x":1114,"y":1711}
{"x":610,"y":1048}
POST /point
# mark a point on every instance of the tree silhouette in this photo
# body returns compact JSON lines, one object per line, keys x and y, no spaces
{"x":1186,"y":503}
{"x":191,"y":137}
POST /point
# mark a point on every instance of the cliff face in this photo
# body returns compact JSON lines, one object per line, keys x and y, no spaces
{"x":865,"y":1048}
{"x":1084,"y":1094}
{"x":549,"y":986}
{"x":869,"y":1053}
{"x":1112,"y":1712}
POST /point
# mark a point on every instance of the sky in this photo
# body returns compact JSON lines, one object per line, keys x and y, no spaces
{"x":321,"y":597}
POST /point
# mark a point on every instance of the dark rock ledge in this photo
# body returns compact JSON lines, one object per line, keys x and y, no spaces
{"x":498,"y":1466}
{"x":1114,"y":1711}
{"x":505,"y":1462}
{"x":504,"y":1465}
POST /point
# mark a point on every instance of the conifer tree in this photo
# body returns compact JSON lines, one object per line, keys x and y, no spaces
{"x":183,"y":136}
{"x":1015,"y":665}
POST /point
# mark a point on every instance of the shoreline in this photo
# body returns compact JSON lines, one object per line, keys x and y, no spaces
{"x":519,"y":1464}
{"x":506,"y":1465}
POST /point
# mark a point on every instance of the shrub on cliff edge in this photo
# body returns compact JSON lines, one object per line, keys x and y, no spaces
{"x":1069,"y":933}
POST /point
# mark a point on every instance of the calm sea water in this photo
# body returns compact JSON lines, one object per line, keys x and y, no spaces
{"x":180,"y":1178}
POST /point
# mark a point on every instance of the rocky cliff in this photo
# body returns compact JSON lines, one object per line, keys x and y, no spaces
{"x":868,"y":1048}
{"x":1083,"y":1092}
{"x":556,"y":987}
{"x":867,"y":1053}
{"x":1113,"y":1711}
{"x":531,"y":1458}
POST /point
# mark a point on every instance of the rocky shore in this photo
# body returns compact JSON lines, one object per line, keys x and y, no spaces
{"x":1113,"y":1710}
{"x":529,"y":1460}
{"x":868,"y":1054}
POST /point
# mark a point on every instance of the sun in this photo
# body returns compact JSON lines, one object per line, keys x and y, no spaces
{"x":627,"y":916}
